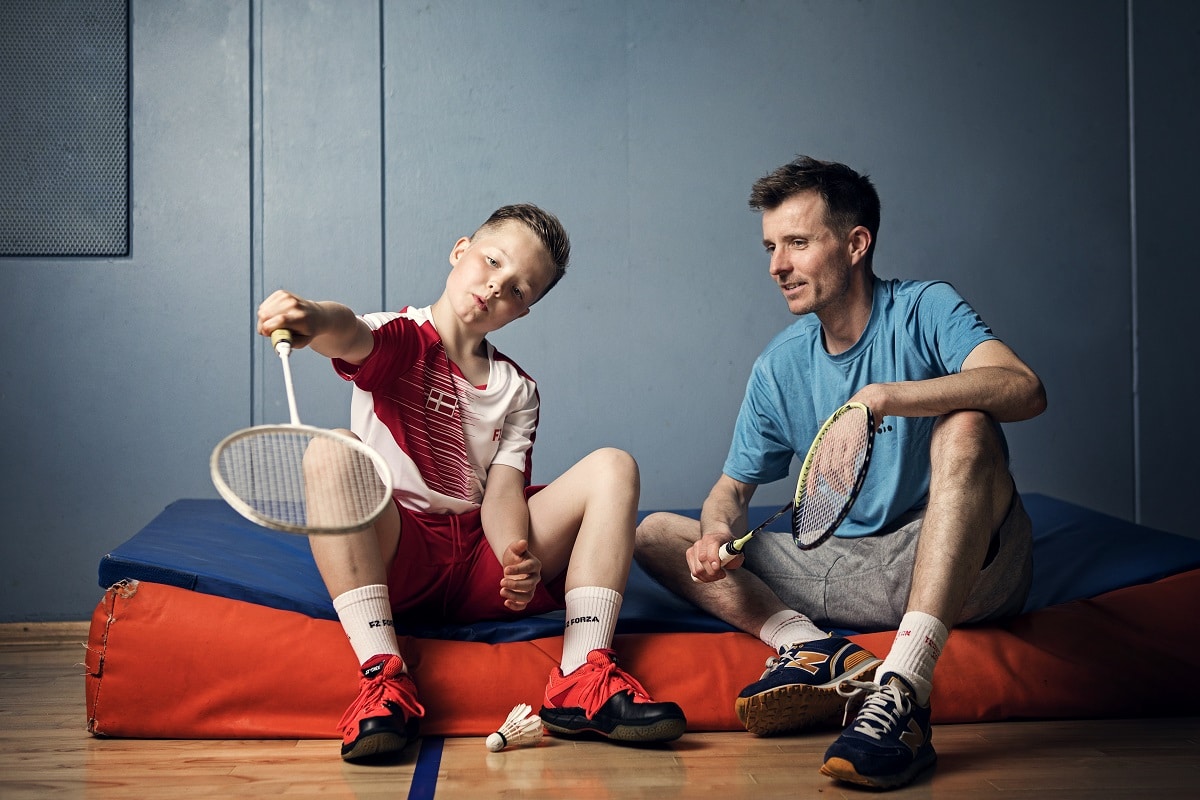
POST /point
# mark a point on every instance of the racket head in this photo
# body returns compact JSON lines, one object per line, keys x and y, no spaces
{"x":261,"y":473}
{"x":832,"y":474}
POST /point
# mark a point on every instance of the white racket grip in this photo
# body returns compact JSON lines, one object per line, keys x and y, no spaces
{"x":727,"y":554}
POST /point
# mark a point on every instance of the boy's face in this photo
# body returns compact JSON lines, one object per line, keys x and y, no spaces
{"x":497,"y":275}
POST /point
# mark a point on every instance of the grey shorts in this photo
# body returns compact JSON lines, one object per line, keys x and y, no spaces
{"x":863,"y":584}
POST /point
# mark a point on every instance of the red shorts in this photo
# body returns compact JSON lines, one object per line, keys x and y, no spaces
{"x":445,"y":570}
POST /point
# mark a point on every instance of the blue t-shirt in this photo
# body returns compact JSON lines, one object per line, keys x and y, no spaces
{"x":917,"y":330}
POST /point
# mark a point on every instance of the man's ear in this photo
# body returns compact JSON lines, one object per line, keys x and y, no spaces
{"x":459,"y":248}
{"x":859,"y":242}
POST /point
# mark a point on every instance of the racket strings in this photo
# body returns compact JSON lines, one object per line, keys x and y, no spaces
{"x":833,"y":479}
{"x":302,"y":479}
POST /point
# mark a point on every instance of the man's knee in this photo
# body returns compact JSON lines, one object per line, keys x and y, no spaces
{"x":662,"y":527}
{"x":652,"y":527}
{"x":967,"y":454}
{"x":966,"y":436}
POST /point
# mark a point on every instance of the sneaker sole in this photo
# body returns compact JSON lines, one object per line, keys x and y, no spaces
{"x":665,"y":730}
{"x":375,"y":744}
{"x":842,"y":770}
{"x":797,"y":706}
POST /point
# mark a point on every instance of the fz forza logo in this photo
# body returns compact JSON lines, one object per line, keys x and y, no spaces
{"x":441,"y":402}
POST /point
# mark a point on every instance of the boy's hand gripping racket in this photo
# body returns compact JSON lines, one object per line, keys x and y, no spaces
{"x":298,"y":478}
{"x":830,"y":479}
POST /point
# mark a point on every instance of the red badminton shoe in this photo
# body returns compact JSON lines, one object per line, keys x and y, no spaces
{"x":383,"y":718}
{"x":602,"y":699}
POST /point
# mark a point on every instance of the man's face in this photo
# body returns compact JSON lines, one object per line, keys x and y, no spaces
{"x":810,"y":263}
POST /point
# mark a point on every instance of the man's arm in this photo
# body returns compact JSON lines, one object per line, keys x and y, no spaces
{"x":993,"y":379}
{"x":722,"y":518}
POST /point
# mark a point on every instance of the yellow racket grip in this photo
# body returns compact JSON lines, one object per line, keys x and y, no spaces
{"x":281,"y":336}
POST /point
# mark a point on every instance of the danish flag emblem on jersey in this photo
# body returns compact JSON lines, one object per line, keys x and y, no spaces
{"x":441,"y":402}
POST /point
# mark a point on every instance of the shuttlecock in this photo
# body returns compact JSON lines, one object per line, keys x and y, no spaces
{"x":518,"y":729}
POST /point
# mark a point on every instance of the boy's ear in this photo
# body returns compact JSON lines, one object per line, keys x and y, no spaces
{"x":459,"y":248}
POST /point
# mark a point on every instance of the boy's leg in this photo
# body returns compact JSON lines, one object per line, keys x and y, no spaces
{"x":583,"y":524}
{"x":799,"y":687}
{"x":383,"y":717}
{"x":970,"y":495}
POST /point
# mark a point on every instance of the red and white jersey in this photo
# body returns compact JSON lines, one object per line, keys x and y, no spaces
{"x":439,"y":433}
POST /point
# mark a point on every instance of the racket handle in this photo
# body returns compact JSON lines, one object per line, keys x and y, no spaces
{"x":281,"y":338}
{"x":727,"y":554}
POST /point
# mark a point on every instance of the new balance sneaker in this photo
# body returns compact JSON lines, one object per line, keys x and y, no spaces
{"x":799,"y":688}
{"x":601,"y":698}
{"x":889,"y":742}
{"x":383,"y":719}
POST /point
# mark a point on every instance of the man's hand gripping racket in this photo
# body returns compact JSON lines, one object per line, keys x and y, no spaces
{"x":831,"y":477}
{"x":298,"y":478}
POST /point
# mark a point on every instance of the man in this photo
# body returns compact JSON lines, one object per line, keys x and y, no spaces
{"x":938,"y":535}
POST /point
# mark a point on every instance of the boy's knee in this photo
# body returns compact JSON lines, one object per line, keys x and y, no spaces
{"x":615,"y":462}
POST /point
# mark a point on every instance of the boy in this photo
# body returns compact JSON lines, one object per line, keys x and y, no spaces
{"x":466,"y":538}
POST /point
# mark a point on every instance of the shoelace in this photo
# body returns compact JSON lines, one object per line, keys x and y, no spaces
{"x":596,"y":686}
{"x":880,"y":712}
{"x":373,"y":693}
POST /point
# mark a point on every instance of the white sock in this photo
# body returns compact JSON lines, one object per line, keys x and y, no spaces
{"x":366,"y":615}
{"x":787,"y":628}
{"x":591,"y":619}
{"x":914,"y":654}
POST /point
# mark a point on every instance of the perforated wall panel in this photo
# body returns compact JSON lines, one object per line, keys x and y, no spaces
{"x":64,"y":127}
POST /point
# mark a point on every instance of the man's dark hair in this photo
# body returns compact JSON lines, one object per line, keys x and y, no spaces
{"x":850,"y":198}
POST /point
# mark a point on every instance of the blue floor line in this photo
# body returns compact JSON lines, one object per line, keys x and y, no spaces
{"x":429,"y":762}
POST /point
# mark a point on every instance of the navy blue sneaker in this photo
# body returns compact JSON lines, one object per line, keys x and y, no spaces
{"x":890,"y":740}
{"x":799,"y":688}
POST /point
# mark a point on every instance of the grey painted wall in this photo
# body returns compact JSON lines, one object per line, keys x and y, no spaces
{"x":339,"y":148}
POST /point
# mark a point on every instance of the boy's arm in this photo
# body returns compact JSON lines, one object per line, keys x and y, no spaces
{"x":505,"y":517}
{"x":329,"y":328}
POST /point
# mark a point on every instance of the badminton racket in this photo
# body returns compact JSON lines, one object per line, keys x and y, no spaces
{"x":298,"y":478}
{"x":830,"y":479}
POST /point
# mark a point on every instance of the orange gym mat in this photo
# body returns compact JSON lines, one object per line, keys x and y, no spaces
{"x":212,"y":627}
{"x":166,"y":662}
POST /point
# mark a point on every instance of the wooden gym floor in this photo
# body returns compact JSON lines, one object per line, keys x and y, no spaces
{"x":45,"y":751}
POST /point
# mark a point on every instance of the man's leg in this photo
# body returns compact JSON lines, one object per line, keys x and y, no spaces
{"x":799,"y":687}
{"x":970,"y":493}
{"x":741,"y":598}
